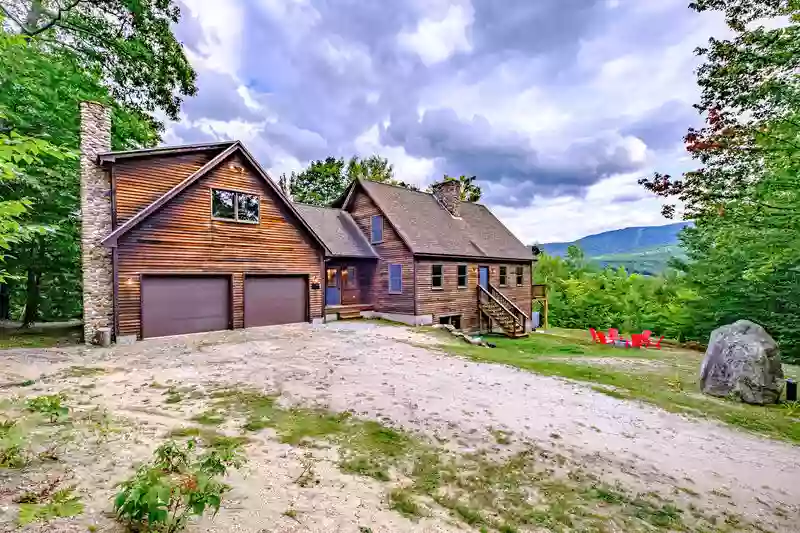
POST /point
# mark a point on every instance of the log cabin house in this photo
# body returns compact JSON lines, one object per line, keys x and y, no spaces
{"x":198,"y":238}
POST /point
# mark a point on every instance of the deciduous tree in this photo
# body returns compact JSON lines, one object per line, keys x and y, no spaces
{"x":470,"y":192}
{"x":129,"y":41}
{"x":744,"y":253}
{"x":42,"y":89}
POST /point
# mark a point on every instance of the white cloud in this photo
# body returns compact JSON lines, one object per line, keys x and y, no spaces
{"x":222,"y":25}
{"x":416,"y":170}
{"x":608,"y":205}
{"x":610,"y":81}
{"x":436,"y":39}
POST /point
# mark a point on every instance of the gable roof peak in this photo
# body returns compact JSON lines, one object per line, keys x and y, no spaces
{"x":428,"y":228}
{"x":235,"y":147}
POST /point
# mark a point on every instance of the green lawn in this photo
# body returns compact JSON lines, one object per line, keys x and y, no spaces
{"x":39,"y":337}
{"x":667,"y":378}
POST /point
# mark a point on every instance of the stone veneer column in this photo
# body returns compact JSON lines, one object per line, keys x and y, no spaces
{"x":98,"y":277}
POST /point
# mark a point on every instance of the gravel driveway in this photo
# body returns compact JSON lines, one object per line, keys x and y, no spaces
{"x":396,"y":374}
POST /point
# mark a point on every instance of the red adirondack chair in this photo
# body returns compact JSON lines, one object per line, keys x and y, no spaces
{"x":613,"y":334}
{"x":602,"y":338}
{"x":646,"y":337}
{"x":594,"y":335}
{"x":637,"y":340}
{"x":657,"y":344}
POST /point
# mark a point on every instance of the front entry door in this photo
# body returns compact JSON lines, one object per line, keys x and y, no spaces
{"x":333,"y":293}
{"x":483,"y":277}
{"x":351,"y":294}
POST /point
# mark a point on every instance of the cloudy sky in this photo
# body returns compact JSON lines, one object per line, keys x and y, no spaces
{"x":558,"y":106}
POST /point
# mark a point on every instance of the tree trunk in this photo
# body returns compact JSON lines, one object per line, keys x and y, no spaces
{"x":5,"y":302}
{"x":31,"y":298}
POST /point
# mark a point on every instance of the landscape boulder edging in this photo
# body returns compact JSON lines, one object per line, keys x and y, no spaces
{"x":742,"y":361}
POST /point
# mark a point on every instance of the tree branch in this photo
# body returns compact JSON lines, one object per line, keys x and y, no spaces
{"x":53,"y":20}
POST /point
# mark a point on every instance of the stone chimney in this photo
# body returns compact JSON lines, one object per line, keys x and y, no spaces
{"x":98,"y":276}
{"x":448,"y":193}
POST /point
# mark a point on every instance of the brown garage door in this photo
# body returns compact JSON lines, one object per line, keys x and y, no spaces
{"x":172,"y":305}
{"x":270,"y":300}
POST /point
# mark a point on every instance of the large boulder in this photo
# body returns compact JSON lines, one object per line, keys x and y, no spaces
{"x":742,"y":361}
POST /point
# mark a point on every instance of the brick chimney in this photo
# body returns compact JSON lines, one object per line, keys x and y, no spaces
{"x":448,"y":193}
{"x":98,"y":277}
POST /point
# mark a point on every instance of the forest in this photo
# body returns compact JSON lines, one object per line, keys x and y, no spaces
{"x":742,"y":256}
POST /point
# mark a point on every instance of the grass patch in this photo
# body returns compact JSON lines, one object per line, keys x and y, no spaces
{"x":501,"y":437}
{"x":403,"y":501}
{"x":209,"y":418}
{"x":209,"y":437}
{"x":365,"y":465}
{"x":672,"y":384}
{"x":82,"y":371}
{"x":178,"y":394}
{"x":39,"y":337}
{"x":530,"y":489}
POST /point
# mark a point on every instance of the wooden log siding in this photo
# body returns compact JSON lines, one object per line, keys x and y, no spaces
{"x":391,"y":251}
{"x":365,"y":271}
{"x":182,"y":237}
{"x":139,"y":182}
{"x":452,"y":300}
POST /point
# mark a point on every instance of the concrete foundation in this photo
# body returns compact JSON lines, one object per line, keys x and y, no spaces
{"x":411,"y":320}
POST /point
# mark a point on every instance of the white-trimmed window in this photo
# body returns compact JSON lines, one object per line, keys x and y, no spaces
{"x":235,"y":206}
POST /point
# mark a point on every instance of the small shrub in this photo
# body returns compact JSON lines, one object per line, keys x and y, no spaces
{"x":178,"y":484}
{"x":12,"y":456}
{"x":62,"y":503}
{"x":792,"y":408}
{"x":12,"y":452}
{"x":307,"y":476}
{"x":49,"y":406}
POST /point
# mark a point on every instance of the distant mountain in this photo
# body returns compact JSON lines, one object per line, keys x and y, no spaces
{"x":620,"y":241}
{"x":644,"y":249}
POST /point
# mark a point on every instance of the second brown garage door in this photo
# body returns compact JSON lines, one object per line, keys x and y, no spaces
{"x":269,"y":301}
{"x":172,"y":305}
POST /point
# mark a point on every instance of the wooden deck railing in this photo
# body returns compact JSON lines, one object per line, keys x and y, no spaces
{"x":511,"y":311}
{"x":518,"y":313}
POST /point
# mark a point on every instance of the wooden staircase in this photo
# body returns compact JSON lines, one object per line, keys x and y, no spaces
{"x":496,"y":308}
{"x":347,"y":311}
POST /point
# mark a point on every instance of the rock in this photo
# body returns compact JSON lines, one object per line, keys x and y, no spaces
{"x":449,"y":327}
{"x":742,"y":361}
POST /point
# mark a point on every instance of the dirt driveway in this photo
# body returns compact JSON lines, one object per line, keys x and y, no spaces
{"x":396,"y":376}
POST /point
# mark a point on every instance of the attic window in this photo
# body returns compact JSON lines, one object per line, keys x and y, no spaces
{"x":376,"y":229}
{"x":235,"y":206}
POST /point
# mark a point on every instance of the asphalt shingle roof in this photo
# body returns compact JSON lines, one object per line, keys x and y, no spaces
{"x":337,"y":229}
{"x":428,"y":228}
